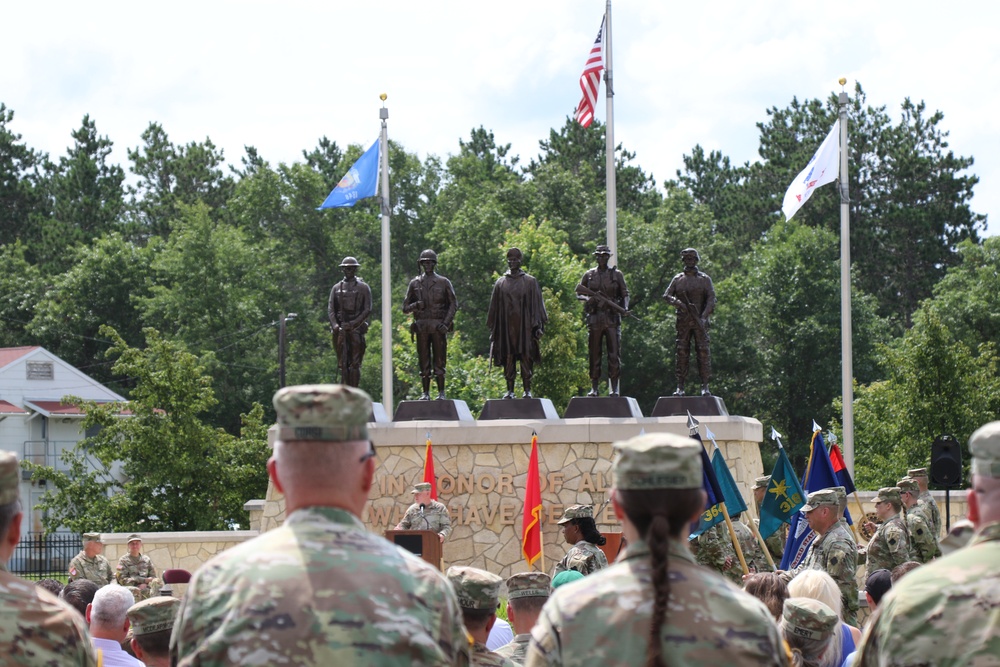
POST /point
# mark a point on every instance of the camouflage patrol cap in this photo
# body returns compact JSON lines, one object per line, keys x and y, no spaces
{"x":984,"y":445}
{"x":808,"y":618}
{"x":916,"y":472}
{"x":322,"y":412}
{"x":475,"y":588}
{"x":908,"y":485}
{"x":10,"y":478}
{"x":761,"y":482}
{"x":841,"y":493}
{"x":888,"y":494}
{"x":821,"y":498}
{"x":153,"y":615}
{"x":421,"y":487}
{"x":958,"y":537}
{"x":528,"y":585}
{"x":133,"y":538}
{"x":657,"y":461}
{"x":577,"y":512}
{"x":93,"y":537}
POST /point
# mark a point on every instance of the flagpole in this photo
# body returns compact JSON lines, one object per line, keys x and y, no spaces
{"x":847,"y":358}
{"x":383,"y":113}
{"x":611,"y":195}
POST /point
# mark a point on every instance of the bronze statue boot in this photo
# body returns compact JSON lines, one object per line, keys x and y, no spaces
{"x":613,"y":389}
{"x":510,"y":389}
{"x":527,"y":393}
{"x":593,"y":390}
{"x":426,"y":382}
{"x":704,"y":390}
{"x":679,"y":391}
{"x":508,"y":394}
{"x":440,"y":384}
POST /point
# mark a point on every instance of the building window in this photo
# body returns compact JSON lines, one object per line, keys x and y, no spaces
{"x":40,"y":370}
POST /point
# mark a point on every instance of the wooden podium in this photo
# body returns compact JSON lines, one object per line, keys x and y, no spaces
{"x":612,"y":547}
{"x":423,"y":543}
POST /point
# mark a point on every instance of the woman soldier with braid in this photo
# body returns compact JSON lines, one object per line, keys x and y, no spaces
{"x":655,"y":606}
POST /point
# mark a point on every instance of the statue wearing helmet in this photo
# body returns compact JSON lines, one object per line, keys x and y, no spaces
{"x":431,"y":299}
{"x":349,"y":308}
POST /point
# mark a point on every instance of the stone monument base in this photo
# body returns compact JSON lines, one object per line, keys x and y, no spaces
{"x":446,"y":410}
{"x":698,"y":406}
{"x":623,"y":407}
{"x":519,"y":408}
{"x":379,"y":415}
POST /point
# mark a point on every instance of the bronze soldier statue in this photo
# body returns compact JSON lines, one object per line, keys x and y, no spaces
{"x":516,"y":320}
{"x":349,"y":308}
{"x":605,"y":297}
{"x":692,"y":294}
{"x":431,"y":299}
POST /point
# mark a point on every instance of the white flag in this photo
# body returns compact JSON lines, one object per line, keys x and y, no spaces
{"x":822,"y":169}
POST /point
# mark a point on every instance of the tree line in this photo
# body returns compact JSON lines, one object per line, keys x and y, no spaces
{"x":205,"y":257}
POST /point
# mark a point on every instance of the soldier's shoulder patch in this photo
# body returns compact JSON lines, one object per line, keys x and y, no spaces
{"x":892,"y":540}
{"x":834,"y":560}
{"x":72,"y":571}
{"x":120,"y":566}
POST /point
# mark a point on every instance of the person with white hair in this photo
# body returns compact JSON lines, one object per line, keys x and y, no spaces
{"x":108,"y":620}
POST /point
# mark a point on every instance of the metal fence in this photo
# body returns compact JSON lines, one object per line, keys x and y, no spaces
{"x":41,"y":556}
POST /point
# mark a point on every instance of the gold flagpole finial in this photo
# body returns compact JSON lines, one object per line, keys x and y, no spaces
{"x":842,"y":81}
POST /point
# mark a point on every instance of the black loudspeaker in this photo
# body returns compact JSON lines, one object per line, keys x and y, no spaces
{"x":946,"y":461}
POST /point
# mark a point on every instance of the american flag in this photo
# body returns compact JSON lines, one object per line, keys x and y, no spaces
{"x":590,"y":81}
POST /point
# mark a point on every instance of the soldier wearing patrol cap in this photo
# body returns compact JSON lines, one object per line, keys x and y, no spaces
{"x":944,"y":613}
{"x":320,"y":589}
{"x":833,"y":551}
{"x":580,"y":530}
{"x":655,"y":604}
{"x":431,"y":299}
{"x":36,"y":628}
{"x":478,"y":594}
{"x":890,"y":544}
{"x":923,"y":541}
{"x":527,"y":593}
{"x":809,"y":628}
{"x":151,"y":622}
{"x":349,"y":307}
{"x":136,"y":570}
{"x":90,"y":563}
{"x":930,"y":505}
{"x":426,"y":513}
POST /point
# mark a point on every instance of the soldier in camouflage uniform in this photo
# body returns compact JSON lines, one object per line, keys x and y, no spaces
{"x":833,"y":551}
{"x":923,"y":542}
{"x":579,"y":529}
{"x":36,"y":628}
{"x":655,"y":604}
{"x":752,"y":552}
{"x":715,"y":550}
{"x":478,"y":594}
{"x":136,"y":571}
{"x":527,"y":593}
{"x":890,"y":545}
{"x":426,"y":514}
{"x":150,"y":624}
{"x":945,"y":613}
{"x":320,"y":589}
{"x":808,"y":626}
{"x":90,"y":563}
{"x":775,"y":541}
{"x":930,"y":505}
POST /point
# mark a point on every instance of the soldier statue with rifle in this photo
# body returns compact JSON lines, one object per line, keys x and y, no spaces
{"x":431,"y":299}
{"x":349,"y":308}
{"x":692,"y":294}
{"x":605,"y":298}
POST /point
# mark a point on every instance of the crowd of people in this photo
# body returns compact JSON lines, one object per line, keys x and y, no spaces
{"x":322,"y":590}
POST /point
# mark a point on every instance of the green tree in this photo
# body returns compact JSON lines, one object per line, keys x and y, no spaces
{"x":21,"y":287}
{"x":161,"y":467}
{"x":967,"y":298}
{"x":22,"y":195}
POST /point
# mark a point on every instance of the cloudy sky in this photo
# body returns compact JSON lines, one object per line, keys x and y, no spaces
{"x":280,"y":75}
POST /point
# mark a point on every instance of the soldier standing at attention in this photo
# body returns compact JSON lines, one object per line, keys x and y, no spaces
{"x":604,"y":322}
{"x":425,"y":513}
{"x":90,"y":563}
{"x":36,"y":628}
{"x":320,"y":589}
{"x":834,"y":550}
{"x":431,"y":299}
{"x":478,"y":594}
{"x":930,"y":505}
{"x":136,"y":570}
{"x":527,"y":592}
{"x":691,"y":292}
{"x":923,"y":542}
{"x":945,"y":613}
{"x":655,"y":605}
{"x":349,"y":308}
{"x":890,"y":545}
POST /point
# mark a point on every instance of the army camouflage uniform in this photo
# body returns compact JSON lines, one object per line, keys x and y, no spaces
{"x":930,"y":508}
{"x":133,"y":572}
{"x":752,"y":553}
{"x":714,"y":547}
{"x":264,"y":598}
{"x":478,"y":590}
{"x":923,"y":546}
{"x":483,"y":657}
{"x":582,"y":557}
{"x":435,"y":517}
{"x":605,"y":618}
{"x":96,"y":569}
{"x":835,"y":553}
{"x":889,"y":546}
{"x":517,"y":650}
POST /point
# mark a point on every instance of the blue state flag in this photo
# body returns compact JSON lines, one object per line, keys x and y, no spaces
{"x":360,"y":182}
{"x":819,"y":475}
{"x":783,"y":497}
{"x":713,"y":505}
{"x":730,"y":492}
